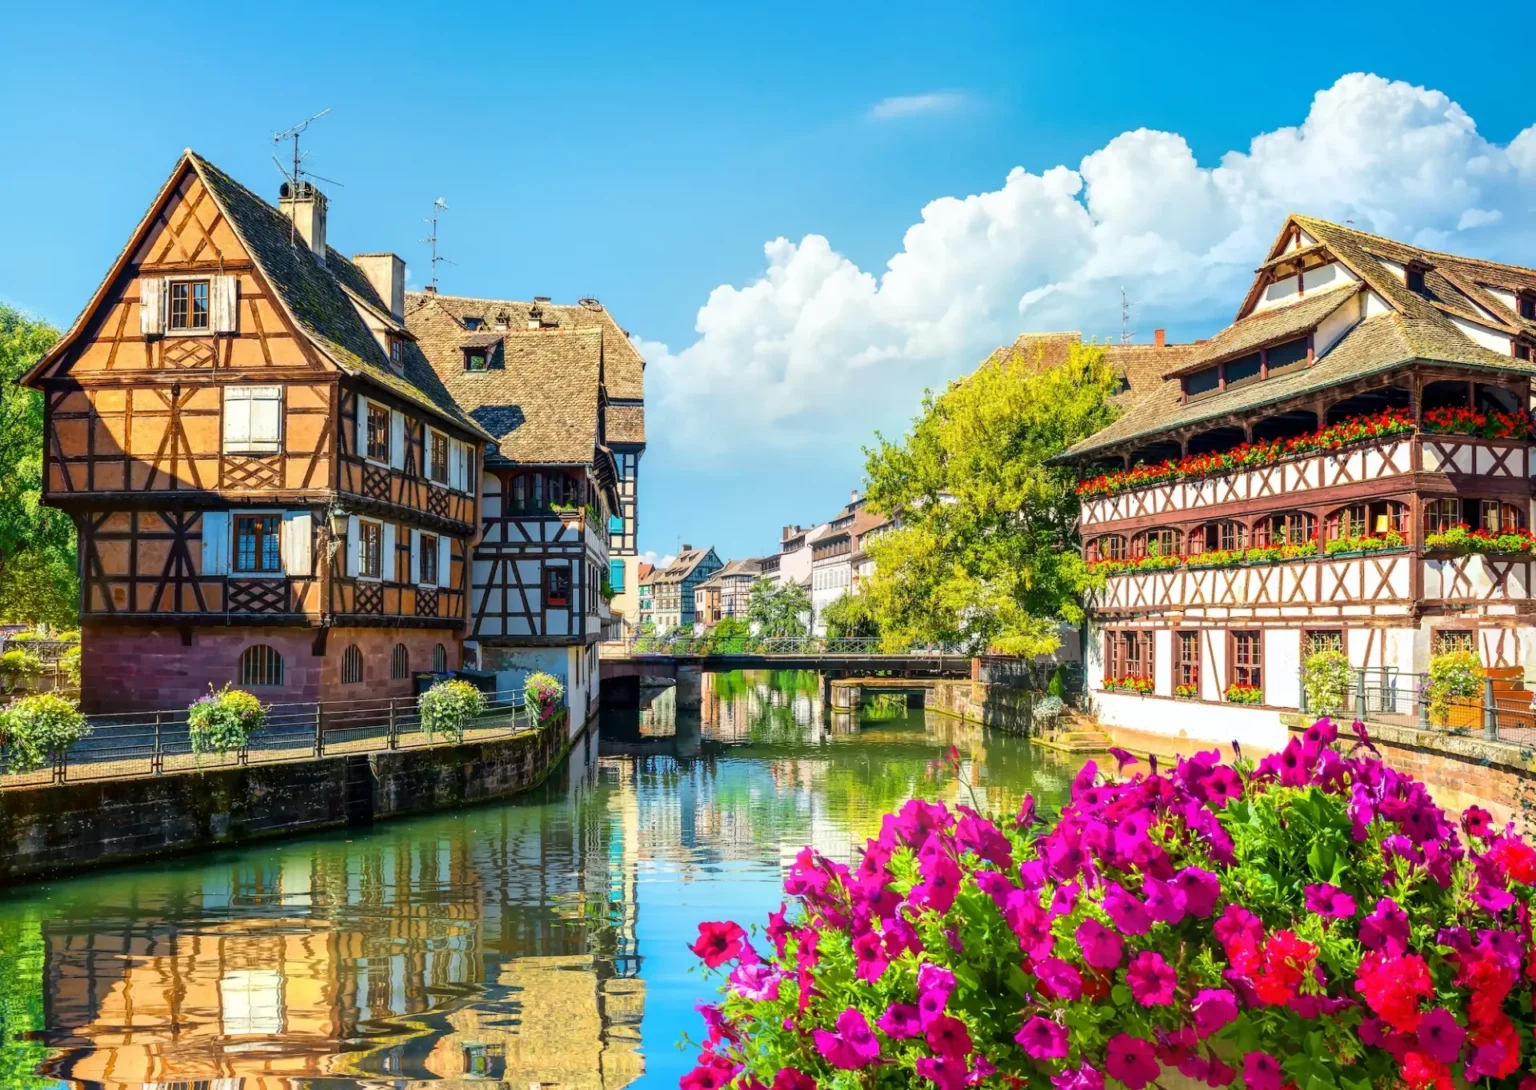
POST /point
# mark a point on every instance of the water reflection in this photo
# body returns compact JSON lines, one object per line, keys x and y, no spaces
{"x":540,"y":942}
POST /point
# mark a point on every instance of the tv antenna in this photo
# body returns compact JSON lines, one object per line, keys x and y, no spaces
{"x":438,"y":206}
{"x":294,"y":173}
{"x":1126,"y":333}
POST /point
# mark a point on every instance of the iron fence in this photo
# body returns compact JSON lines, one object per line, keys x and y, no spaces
{"x":798,"y":646}
{"x":156,"y":743}
{"x":1387,"y":694}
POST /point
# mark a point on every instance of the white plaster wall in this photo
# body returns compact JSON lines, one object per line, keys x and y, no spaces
{"x":1162,"y":661}
{"x":1302,"y":239}
{"x":1331,"y":328}
{"x":1255,"y":728}
{"x":1278,"y":293}
{"x":1282,"y":667}
{"x":1491,"y":339}
{"x":1093,"y":660}
{"x":1505,"y":297}
{"x":1375,"y":304}
{"x":1395,"y":269}
{"x":512,"y":666}
{"x":1213,"y":663}
{"x":1400,"y":649}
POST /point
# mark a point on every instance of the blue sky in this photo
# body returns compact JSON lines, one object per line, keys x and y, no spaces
{"x":646,"y":155}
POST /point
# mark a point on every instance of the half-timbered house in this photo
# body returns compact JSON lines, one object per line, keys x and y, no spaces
{"x":271,"y":485}
{"x":1348,"y":464}
{"x":549,"y":485}
{"x":672,"y":588}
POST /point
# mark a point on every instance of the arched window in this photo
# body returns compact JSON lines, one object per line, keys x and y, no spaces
{"x":1160,"y":542}
{"x":1367,"y":520}
{"x":1226,"y":536}
{"x":1108,"y":547}
{"x":1287,"y":528}
{"x":261,"y":665}
{"x":1441,"y":515}
{"x":439,"y":659}
{"x":400,"y":663}
{"x":352,"y":665}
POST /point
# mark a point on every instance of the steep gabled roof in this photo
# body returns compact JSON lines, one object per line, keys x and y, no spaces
{"x":681,"y":568}
{"x":1141,"y":365}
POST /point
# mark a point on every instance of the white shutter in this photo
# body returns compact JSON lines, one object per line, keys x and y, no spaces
{"x":215,"y":542}
{"x":297,"y":535}
{"x":151,"y":305}
{"x":360,"y":444}
{"x":414,"y":576}
{"x":426,"y":454}
{"x":444,"y":562}
{"x":353,"y":534}
{"x":389,"y":564}
{"x":237,"y":417}
{"x":224,"y":292}
{"x":396,"y":439}
{"x":456,"y":460}
{"x":266,"y":418}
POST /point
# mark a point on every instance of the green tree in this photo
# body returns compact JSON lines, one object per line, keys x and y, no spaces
{"x":851,"y":616}
{"x":985,"y":554}
{"x":37,"y":543}
{"x":777,"y":610}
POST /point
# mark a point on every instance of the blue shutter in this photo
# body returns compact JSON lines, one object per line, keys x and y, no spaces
{"x":615,"y":524}
{"x":616,"y":576}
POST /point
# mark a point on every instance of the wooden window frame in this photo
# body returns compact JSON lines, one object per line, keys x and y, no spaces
{"x":428,"y":560}
{"x":1442,"y":513}
{"x":1312,"y":637}
{"x":1251,"y":673}
{"x":437,"y":457}
{"x":554,"y":595}
{"x":370,"y":543}
{"x":1455,"y":638}
{"x":472,"y":355}
{"x":439,"y":659}
{"x":1186,"y":668}
{"x":188,"y":286}
{"x":396,"y":349}
{"x":377,"y":446}
{"x":239,"y":518}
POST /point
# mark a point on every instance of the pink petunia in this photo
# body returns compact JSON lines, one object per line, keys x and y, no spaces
{"x":945,"y":1072}
{"x":712,"y":1073}
{"x":1042,"y":1039}
{"x":1261,"y":1071}
{"x":1083,"y":1077}
{"x":934,"y":983}
{"x":869,"y":954}
{"x":900,"y":1021}
{"x":948,"y":1036}
{"x":1102,"y":948}
{"x":792,"y":1078}
{"x":1201,"y":889}
{"x":756,"y":982}
{"x":1329,"y":900}
{"x":853,"y":1046}
{"x":1128,"y":914}
{"x":1440,"y":1036}
{"x":1132,"y":1060}
{"x":719,"y":943}
{"x":1214,"y":1009}
{"x":1151,"y":979}
{"x":1165,"y":902}
{"x":1060,"y":979}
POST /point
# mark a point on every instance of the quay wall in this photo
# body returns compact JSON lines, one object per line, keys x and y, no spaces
{"x":990,"y":705}
{"x":62,"y":827}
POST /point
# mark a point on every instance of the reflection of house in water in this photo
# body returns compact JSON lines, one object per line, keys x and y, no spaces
{"x":502,"y":947}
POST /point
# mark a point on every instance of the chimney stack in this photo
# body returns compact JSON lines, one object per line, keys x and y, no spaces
{"x":686,"y":548}
{"x":1159,"y":338}
{"x":386,"y":272}
{"x":853,"y":497}
{"x":306,"y":208}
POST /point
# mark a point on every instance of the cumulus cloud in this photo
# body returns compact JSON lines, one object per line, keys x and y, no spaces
{"x":816,"y":349}
{"x":658,"y":562}
{"x":899,"y":106}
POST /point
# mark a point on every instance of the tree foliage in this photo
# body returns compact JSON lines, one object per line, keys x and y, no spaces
{"x":37,"y":543}
{"x":986,"y":554}
{"x":851,"y":616}
{"x":775,"y":609}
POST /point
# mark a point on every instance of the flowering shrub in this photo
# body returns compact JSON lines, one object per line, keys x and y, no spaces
{"x":1359,"y":429}
{"x":224,"y":720}
{"x":1494,"y":425}
{"x":1244,"y":694}
{"x":1138,"y":563}
{"x":1366,"y":543}
{"x":35,"y":728}
{"x":1046,"y":710}
{"x":544,"y":693}
{"x":1328,"y":677}
{"x":1314,"y":922}
{"x":1129,"y":684}
{"x":1187,"y":692}
{"x":18,"y":665}
{"x":1453,"y":675}
{"x":1462,"y":539}
{"x":449,"y":707}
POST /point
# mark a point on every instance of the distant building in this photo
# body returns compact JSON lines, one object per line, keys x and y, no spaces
{"x":832,"y":557}
{"x":645,"y":577}
{"x":672,"y":590}
{"x":727,"y":593}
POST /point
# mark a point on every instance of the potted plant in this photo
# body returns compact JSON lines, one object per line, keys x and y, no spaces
{"x":448,"y":708}
{"x":35,"y":729}
{"x":1327,"y":677}
{"x":1238,"y":693}
{"x":1455,"y":686}
{"x":544,"y":694}
{"x":224,"y":720}
{"x":1187,"y":692}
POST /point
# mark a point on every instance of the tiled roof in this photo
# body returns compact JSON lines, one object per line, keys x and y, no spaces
{"x":643,"y":571}
{"x":1265,"y":327}
{"x":681,"y":568}
{"x":315,"y":295}
{"x":537,"y":397}
{"x":624,"y":423}
{"x":1142,"y":365}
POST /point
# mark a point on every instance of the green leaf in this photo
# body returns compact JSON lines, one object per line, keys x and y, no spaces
{"x":1121,"y":995}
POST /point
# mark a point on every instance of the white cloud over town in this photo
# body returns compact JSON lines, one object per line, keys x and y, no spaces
{"x":933,"y":102}
{"x":816,"y":348}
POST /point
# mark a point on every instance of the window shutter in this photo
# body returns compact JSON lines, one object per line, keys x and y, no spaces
{"x":616,"y":576}
{"x":151,"y":305}
{"x":266,"y":418}
{"x":225,"y":303}
{"x":352,"y":544}
{"x":457,"y":461}
{"x":396,"y":439}
{"x":360,"y":443}
{"x":426,"y":454}
{"x":389,"y":563}
{"x":237,"y":417}
{"x":215,"y":542}
{"x":444,"y":562}
{"x":297,"y":535}
{"x":415,"y":572}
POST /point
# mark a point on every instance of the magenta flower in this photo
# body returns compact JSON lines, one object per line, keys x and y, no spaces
{"x":1102,"y":948}
{"x":1385,"y":929}
{"x":756,"y":981}
{"x":900,"y":1021}
{"x":1122,"y":757}
{"x":1165,"y":902}
{"x":792,"y":1078}
{"x":712,"y":1073}
{"x":1083,"y":1077}
{"x":1440,"y":1036}
{"x":1132,"y":1060}
{"x":1477,"y":821}
{"x":869,"y":953}
{"x":1261,"y":1071}
{"x":1219,"y":1074}
{"x":1200,"y":888}
{"x":1042,"y":1039}
{"x":853,"y":1046}
{"x":1128,"y":914}
{"x":718,"y":943}
{"x":1151,"y":979}
{"x":1237,"y":927}
{"x":948,"y":1036}
{"x":1060,"y":979}
{"x":1214,"y":1009}
{"x":945,"y":1072}
{"x":1221,"y":786}
{"x":933,"y":987}
{"x":941,"y":881}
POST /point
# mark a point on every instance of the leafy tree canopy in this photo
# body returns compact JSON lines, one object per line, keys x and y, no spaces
{"x":37,"y":543}
{"x":777,"y":610}
{"x":851,"y":616}
{"x":985,"y":555}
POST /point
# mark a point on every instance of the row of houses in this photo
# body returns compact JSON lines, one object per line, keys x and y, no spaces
{"x":288,"y":472}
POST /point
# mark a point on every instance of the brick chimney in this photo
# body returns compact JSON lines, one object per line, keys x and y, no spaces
{"x":386,"y":272}
{"x":1160,"y":338}
{"x":853,"y":497}
{"x":306,"y":208}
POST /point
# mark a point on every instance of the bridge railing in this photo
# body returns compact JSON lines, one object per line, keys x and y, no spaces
{"x":787,"y":646}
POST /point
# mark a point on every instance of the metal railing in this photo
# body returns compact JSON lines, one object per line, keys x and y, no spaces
{"x":1391,"y":695}
{"x":158,"y":743}
{"x":796,"y":646}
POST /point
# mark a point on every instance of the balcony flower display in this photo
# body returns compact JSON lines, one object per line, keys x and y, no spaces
{"x":1463,"y":539}
{"x":1494,"y":425}
{"x":1135,"y":563}
{"x":1366,"y":543}
{"x":1357,"y":429}
{"x":1244,"y":694}
{"x":1187,"y":692}
{"x":1312,"y":921}
{"x":1129,"y":684}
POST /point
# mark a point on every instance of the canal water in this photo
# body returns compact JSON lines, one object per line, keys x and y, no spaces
{"x":541,"y":941}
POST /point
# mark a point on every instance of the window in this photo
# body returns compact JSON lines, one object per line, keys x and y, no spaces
{"x":1413,"y":275}
{"x":256,"y":548}
{"x":352,"y":665}
{"x":1113,"y":663}
{"x":1321,"y":639}
{"x":253,"y":418}
{"x":260,"y":665}
{"x":1454,"y":639}
{"x":370,"y":549}
{"x":439,"y":659}
{"x":1348,"y":522}
{"x":474,"y":360}
{"x":428,"y":573}
{"x":1108,"y":547}
{"x":1187,"y":664}
{"x":1207,"y":381}
{"x":472,"y":324}
{"x":1244,"y":370}
{"x":396,"y":349}
{"x":1441,"y":515}
{"x":1290,"y":528}
{"x":399,"y":663}
{"x":557,"y":586}
{"x":1247,"y":661}
{"x":1226,"y":535}
{"x":439,"y":457}
{"x":1495,"y":516}
{"x":616,"y":576}
{"x":378,"y":433}
{"x":1283,"y":358}
{"x":189,"y":305}
{"x":1527,"y":306}
{"x":1137,"y":654}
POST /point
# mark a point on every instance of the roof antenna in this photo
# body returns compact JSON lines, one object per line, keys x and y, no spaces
{"x":1126,"y":333}
{"x":297,"y":170}
{"x":439,"y":205}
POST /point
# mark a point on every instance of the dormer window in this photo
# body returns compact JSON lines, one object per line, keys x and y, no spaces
{"x":474,"y":359}
{"x":473,"y":324}
{"x":1526,"y":305}
{"x":189,"y":304}
{"x":1413,"y":275}
{"x":396,"y":350}
{"x":503,"y":320}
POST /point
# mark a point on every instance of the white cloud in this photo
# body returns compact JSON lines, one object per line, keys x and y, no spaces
{"x":818,"y":350}
{"x":650,"y":557}
{"x":934,"y":102}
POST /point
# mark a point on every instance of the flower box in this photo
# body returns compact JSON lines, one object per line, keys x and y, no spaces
{"x":1494,"y":425}
{"x":1244,"y":694}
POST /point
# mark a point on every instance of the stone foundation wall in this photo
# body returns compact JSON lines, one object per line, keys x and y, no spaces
{"x":990,"y":705}
{"x":61,"y":827}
